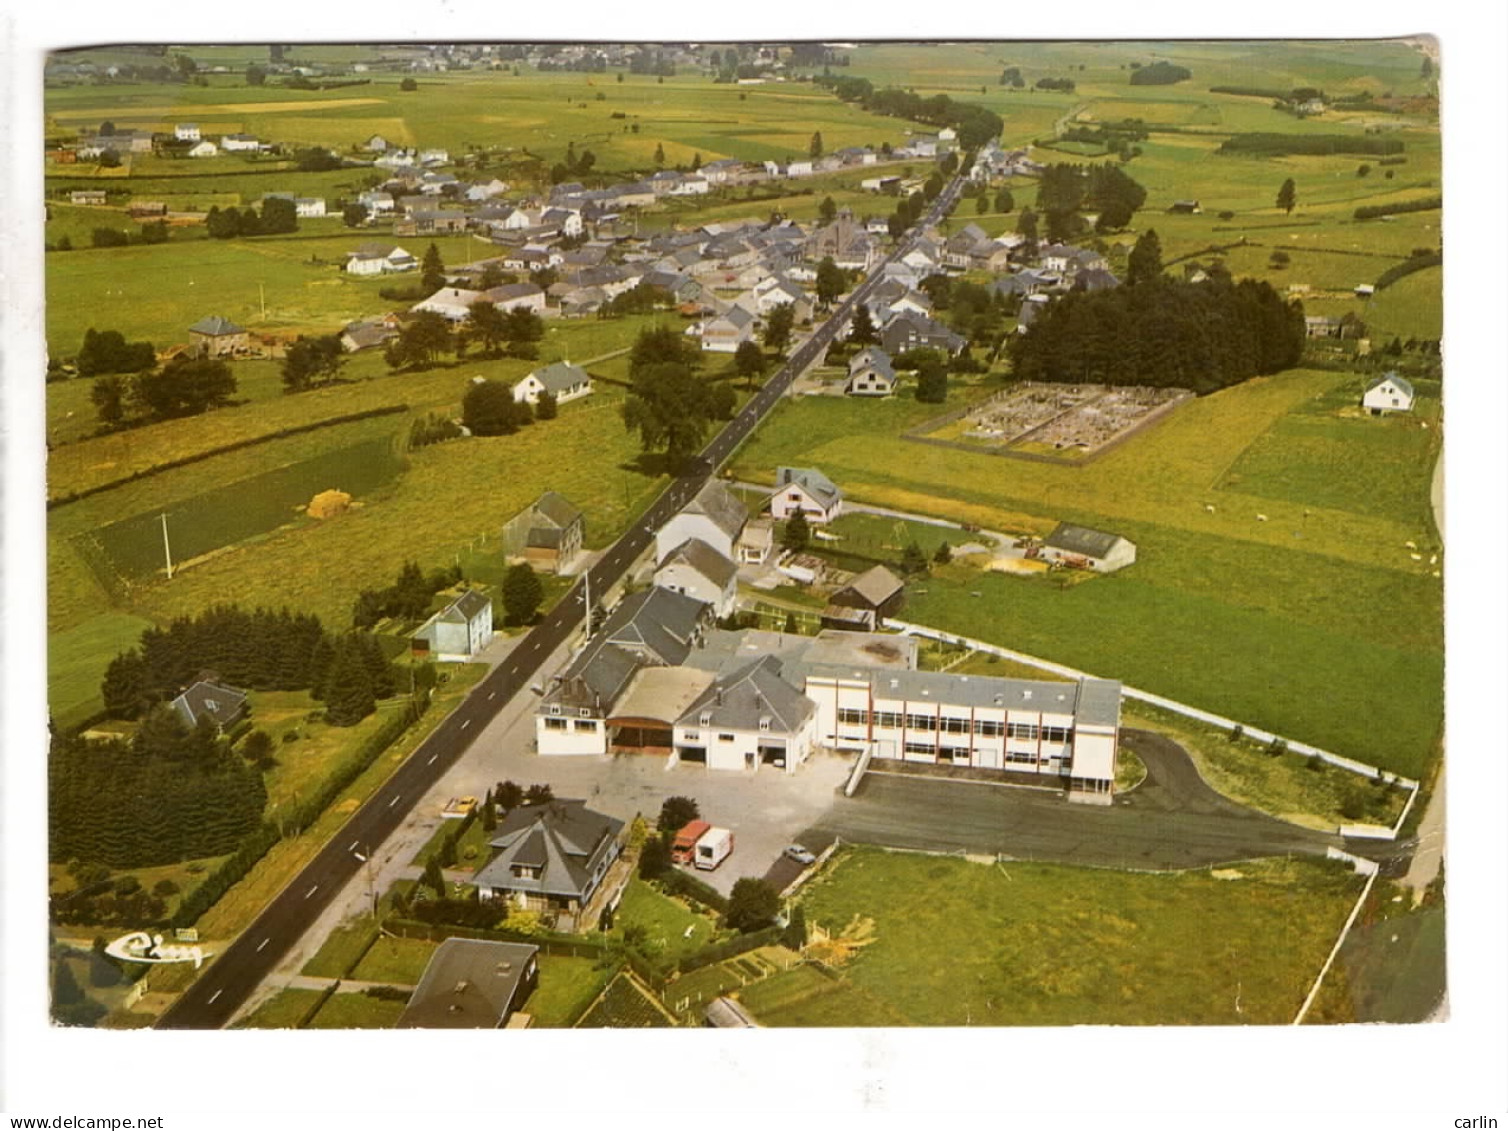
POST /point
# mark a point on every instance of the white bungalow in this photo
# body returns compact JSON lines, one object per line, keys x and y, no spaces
{"x":1388,"y":393}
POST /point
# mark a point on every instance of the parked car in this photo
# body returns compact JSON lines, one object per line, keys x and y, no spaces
{"x":800,"y":854}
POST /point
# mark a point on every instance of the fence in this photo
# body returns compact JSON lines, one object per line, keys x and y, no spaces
{"x":1256,"y":733}
{"x":1360,"y":865}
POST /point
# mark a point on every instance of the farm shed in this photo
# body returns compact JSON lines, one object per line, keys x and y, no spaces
{"x":1083,"y":548}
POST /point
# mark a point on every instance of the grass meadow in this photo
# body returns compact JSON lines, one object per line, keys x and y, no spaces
{"x":960,"y":943}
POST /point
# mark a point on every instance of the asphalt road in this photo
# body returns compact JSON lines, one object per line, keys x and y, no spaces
{"x":1173,"y":820}
{"x":233,"y":974}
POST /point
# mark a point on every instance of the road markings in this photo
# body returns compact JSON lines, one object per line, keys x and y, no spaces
{"x":262,"y":944}
{"x":213,"y":996}
{"x":396,"y":796}
{"x":492,"y":695}
{"x":431,"y":761}
{"x":355,"y":844}
{"x":311,"y":891}
{"x":465,"y":723}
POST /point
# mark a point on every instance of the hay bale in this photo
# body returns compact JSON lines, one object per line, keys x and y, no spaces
{"x":328,"y":504}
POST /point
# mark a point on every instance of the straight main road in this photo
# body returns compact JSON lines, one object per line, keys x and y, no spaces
{"x":233,"y":974}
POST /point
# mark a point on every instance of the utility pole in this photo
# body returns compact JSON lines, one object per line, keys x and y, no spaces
{"x":166,"y":549}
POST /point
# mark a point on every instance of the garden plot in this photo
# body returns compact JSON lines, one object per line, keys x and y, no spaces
{"x":1071,"y":421}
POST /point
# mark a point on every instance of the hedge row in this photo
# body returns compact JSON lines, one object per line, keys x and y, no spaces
{"x":211,"y":453}
{"x":357,"y":764}
{"x":1372,"y":211}
{"x":1407,"y":267}
{"x":550,"y":942}
{"x":731,"y":948}
{"x":676,"y":882}
{"x":231,"y":870}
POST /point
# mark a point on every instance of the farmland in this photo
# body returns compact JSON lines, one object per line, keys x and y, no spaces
{"x":959,"y":943}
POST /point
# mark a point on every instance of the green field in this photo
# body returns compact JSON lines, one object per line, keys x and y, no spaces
{"x":76,"y":660}
{"x":284,"y":1010}
{"x":395,"y":961}
{"x":357,"y":1011}
{"x":133,"y":547}
{"x":1251,"y":609}
{"x":566,"y":987}
{"x":959,"y":943}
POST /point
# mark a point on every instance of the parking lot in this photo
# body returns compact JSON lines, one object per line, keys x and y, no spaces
{"x":764,"y":809}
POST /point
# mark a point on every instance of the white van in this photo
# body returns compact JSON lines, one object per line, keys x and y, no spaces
{"x":715,"y":846}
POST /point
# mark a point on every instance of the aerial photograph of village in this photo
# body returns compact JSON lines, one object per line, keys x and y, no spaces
{"x":751,"y":534}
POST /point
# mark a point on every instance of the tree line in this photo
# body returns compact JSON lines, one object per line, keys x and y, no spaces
{"x":172,"y":792}
{"x":278,"y":217}
{"x":262,"y":650}
{"x":1163,"y":333}
{"x":668,"y":404}
{"x":975,"y":124}
{"x":1282,"y":145}
{"x":184,"y":386}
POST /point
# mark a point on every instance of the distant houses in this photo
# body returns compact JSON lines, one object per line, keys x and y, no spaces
{"x":376,"y":258}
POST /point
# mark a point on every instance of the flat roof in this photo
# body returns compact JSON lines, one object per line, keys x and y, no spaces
{"x":662,"y":693}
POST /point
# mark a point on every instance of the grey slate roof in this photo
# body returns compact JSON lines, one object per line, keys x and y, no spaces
{"x":559,"y":377}
{"x":742,"y":699}
{"x":1403,"y":385}
{"x":725,"y":509}
{"x":817,"y":485}
{"x":1081,"y":540}
{"x":556,"y":509}
{"x":215,"y":326}
{"x":1099,"y":702}
{"x":705,"y":560}
{"x":876,"y":585}
{"x":468,"y":984}
{"x":563,"y":838}
{"x":465,"y":608}
{"x":221,"y":704}
{"x":657,"y":621}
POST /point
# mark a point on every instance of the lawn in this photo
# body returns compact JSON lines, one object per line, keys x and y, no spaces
{"x":665,"y":921}
{"x":1391,"y":970}
{"x":566,"y":987}
{"x":395,"y":961}
{"x":357,"y":1011}
{"x":342,"y":949}
{"x":1287,"y":786}
{"x":76,"y":660}
{"x":285,"y":1010}
{"x":961,"y":943}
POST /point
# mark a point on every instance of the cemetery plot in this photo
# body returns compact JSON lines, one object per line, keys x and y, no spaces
{"x":1068,"y":422}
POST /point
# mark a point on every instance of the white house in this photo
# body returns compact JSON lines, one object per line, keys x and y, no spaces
{"x":186,"y":131}
{"x":756,"y":542}
{"x":725,"y":333}
{"x":697,"y":570}
{"x":566,"y":381}
{"x":748,"y":719}
{"x":870,"y":374}
{"x":458,"y":631}
{"x":379,"y":259}
{"x":236,"y":143}
{"x":807,"y":490}
{"x":452,"y":303}
{"x":517,"y":296}
{"x":1083,"y":548}
{"x":205,"y":148}
{"x":715,"y":515}
{"x":1388,"y":393}
{"x":308,"y":207}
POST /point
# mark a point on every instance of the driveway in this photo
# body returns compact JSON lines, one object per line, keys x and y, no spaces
{"x":1173,"y":820}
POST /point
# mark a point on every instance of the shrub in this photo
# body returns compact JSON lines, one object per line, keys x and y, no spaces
{"x":164,"y":887}
{"x":1314,"y":762}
